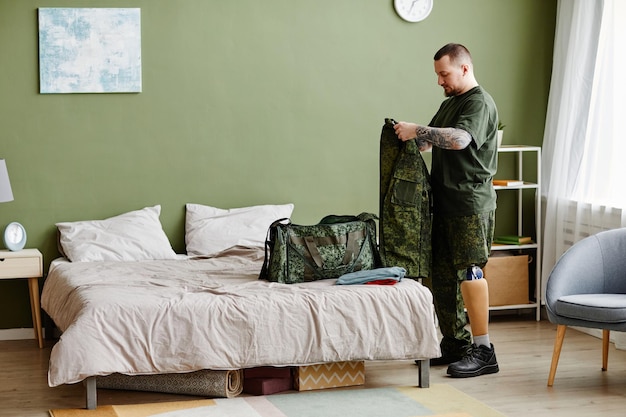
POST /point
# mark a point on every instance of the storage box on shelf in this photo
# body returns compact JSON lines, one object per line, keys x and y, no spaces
{"x":508,"y":280}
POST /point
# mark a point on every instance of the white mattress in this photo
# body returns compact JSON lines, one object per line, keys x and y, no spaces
{"x":173,"y":316}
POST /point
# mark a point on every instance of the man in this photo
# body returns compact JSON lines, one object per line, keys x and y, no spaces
{"x":462,"y":136}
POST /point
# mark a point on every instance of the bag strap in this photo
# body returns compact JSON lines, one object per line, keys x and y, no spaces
{"x":311,"y":245}
{"x":370,"y":219}
{"x":337,"y":218}
{"x":271,"y":232}
{"x":352,"y":246}
{"x":312,"y":242}
{"x":365,"y":217}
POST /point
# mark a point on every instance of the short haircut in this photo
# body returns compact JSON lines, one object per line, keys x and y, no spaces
{"x":455,"y":51}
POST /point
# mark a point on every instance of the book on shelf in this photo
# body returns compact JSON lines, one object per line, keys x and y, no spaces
{"x":508,"y":183}
{"x":512,"y":240}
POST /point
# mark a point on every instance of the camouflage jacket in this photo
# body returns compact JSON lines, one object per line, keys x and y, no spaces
{"x":405,"y":205}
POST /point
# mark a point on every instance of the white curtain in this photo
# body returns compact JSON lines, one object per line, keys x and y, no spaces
{"x":583,"y":167}
{"x":583,"y":157}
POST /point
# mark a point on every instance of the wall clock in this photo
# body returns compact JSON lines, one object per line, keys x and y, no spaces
{"x":14,"y":236}
{"x":413,"y":10}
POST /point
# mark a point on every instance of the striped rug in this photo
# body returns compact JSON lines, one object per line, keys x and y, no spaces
{"x":440,"y":400}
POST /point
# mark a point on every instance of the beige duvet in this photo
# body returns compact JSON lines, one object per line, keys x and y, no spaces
{"x":173,"y":316}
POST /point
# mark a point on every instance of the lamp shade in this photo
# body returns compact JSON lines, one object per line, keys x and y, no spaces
{"x":6,"y":194}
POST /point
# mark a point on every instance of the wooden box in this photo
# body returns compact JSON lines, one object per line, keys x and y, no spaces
{"x":329,"y":375}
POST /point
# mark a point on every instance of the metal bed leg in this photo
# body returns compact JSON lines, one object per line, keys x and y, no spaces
{"x":423,"y":371}
{"x":91,"y":393}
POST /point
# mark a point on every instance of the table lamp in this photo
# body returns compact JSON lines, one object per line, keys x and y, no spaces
{"x":14,"y":234}
{"x":6,"y":194}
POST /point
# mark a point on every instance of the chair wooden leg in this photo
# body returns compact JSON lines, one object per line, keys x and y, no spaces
{"x":605,"y":349}
{"x":558,"y":344}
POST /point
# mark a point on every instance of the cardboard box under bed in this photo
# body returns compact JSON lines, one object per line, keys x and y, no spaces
{"x":329,"y":375}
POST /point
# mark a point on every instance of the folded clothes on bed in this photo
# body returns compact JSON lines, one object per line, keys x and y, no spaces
{"x":395,"y":273}
{"x":386,"y":281}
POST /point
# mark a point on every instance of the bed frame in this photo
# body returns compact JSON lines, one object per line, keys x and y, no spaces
{"x":91,"y":391}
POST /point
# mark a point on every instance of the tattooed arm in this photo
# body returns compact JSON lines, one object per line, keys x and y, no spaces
{"x":442,"y":137}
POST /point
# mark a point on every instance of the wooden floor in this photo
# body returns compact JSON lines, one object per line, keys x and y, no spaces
{"x":523,"y":347}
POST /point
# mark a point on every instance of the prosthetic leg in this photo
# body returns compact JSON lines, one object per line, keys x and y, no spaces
{"x":482,"y":357}
{"x":475,"y":293}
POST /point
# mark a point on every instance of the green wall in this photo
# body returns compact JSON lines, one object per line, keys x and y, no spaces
{"x":247,"y":102}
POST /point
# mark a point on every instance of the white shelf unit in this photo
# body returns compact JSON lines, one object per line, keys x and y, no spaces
{"x":521,"y":151}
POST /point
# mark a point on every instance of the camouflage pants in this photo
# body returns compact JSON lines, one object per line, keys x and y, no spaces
{"x":458,"y":243}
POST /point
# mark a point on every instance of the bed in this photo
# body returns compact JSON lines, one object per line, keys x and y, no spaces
{"x":185,"y":313}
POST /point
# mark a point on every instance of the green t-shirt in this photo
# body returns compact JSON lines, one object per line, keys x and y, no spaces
{"x":461,"y":179}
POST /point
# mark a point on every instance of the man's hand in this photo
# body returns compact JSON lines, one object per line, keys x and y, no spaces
{"x":408,"y":131}
{"x":405,"y":131}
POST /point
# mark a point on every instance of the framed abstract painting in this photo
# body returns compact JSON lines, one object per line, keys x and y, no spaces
{"x":89,"y":50}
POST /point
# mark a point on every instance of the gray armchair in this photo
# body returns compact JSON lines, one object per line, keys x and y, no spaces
{"x":587,"y":288}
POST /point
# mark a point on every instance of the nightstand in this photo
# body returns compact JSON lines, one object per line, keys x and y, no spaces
{"x":26,"y":263}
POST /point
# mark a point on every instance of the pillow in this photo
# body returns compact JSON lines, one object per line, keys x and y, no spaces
{"x":209,"y":230}
{"x":133,"y":236}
